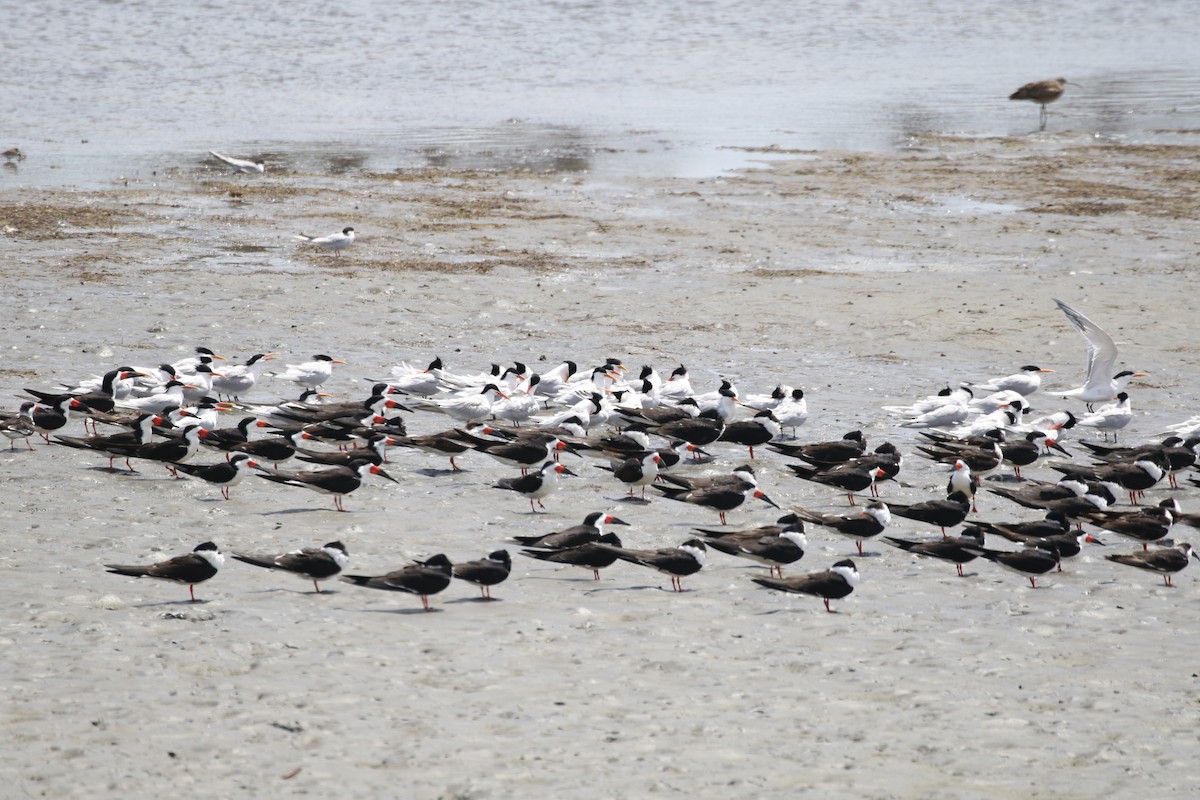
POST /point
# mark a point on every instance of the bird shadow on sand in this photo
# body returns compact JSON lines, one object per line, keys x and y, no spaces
{"x":793,"y":610}
{"x":113,"y":471}
{"x":637,"y":501}
{"x":198,"y":603}
{"x":461,"y":600}
{"x":402,"y":611}
{"x":299,"y":511}
{"x":642,"y":588}
{"x":430,"y":472}
{"x":300,"y":592}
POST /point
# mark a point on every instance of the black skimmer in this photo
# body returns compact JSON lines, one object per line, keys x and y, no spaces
{"x":1054,"y":524}
{"x":275,"y":449}
{"x":1101,"y":385}
{"x":374,"y":451}
{"x":1134,"y":477}
{"x":678,"y":562}
{"x":942,"y":513}
{"x":536,"y":485}
{"x":850,"y":478}
{"x":1165,"y":562}
{"x":740,"y":477}
{"x":1174,"y":452}
{"x":981,"y":458}
{"x":15,"y":427}
{"x":140,"y":434}
{"x":100,"y":400}
{"x":335,"y":242}
{"x":226,"y":438}
{"x":1029,"y":562}
{"x":337,"y":481}
{"x":224,"y":474}
{"x":864,"y":525}
{"x":962,"y":481}
{"x":1023,"y":452}
{"x":944,"y":549}
{"x":311,"y":563}
{"x":699,"y":431}
{"x":687,"y":408}
{"x":832,"y":584}
{"x":47,"y":420}
{"x":240,"y":165}
{"x":825,"y":454}
{"x":1036,"y":493}
{"x":641,"y":470}
{"x":586,"y":555}
{"x":752,"y":433}
{"x":171,"y":452}
{"x":1145,"y":525}
{"x":1066,"y":544}
{"x":590,"y":530}
{"x":375,"y":403}
{"x":720,"y":498}
{"x":485,"y":572}
{"x":310,"y":374}
{"x":773,"y":545}
{"x":447,"y":443}
{"x":522,"y":452}
{"x":422,"y":578}
{"x":192,"y":568}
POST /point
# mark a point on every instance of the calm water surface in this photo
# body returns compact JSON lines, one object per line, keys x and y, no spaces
{"x":96,"y":90}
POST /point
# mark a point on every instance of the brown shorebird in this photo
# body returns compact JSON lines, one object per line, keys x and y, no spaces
{"x":1042,"y":93}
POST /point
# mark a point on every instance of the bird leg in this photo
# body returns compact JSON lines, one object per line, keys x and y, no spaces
{"x":192,"y":591}
{"x":225,"y":492}
{"x":1032,"y":582}
{"x":850,"y":495}
{"x":454,"y":467}
{"x":859,"y":543}
{"x":827,"y":608}
{"x":316,"y":587}
{"x":722,"y":513}
{"x":960,"y":570}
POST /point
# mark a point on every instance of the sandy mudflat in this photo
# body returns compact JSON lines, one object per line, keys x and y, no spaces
{"x":864,"y":279}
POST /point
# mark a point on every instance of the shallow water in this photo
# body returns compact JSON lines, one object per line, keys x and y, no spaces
{"x":652,"y":88}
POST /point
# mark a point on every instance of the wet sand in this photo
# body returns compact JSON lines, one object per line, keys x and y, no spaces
{"x":864,"y":279}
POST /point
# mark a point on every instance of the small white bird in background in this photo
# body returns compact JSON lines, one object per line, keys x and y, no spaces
{"x":1025,"y":382}
{"x":240,"y":164}
{"x":1112,"y":417}
{"x":311,"y":373}
{"x":337,"y":242}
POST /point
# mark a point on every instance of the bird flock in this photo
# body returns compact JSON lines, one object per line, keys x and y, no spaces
{"x":636,"y":430}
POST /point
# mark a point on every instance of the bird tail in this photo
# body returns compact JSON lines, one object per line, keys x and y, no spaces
{"x":131,"y":571}
{"x":258,"y":561}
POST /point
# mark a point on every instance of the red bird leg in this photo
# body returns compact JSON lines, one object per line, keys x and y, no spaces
{"x":827,"y":608}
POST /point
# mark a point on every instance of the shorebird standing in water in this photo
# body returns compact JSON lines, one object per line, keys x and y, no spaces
{"x":1042,"y":93}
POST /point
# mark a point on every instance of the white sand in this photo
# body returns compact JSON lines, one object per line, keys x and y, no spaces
{"x":863,"y":279}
